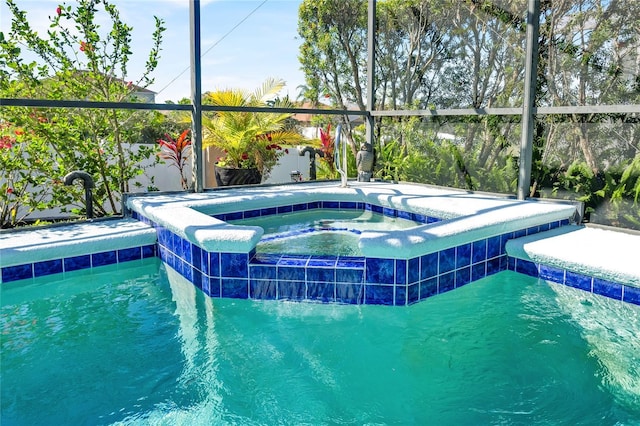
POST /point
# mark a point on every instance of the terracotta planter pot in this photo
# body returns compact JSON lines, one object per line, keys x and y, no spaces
{"x":228,"y":177}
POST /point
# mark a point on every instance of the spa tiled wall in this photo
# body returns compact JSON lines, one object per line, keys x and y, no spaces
{"x":334,"y":279}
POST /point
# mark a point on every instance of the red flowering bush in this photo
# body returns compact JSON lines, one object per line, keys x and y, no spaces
{"x":177,"y":151}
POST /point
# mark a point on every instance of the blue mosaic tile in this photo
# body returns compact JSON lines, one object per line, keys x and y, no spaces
{"x":300,"y":207}
{"x":416,"y":217}
{"x":511,"y":263}
{"x":133,"y":253}
{"x":350,"y":262}
{"x":446,"y":282}
{"x":463,"y":276}
{"x":631,"y":295}
{"x":428,"y":287}
{"x":205,"y":263}
{"x":478,"y":251}
{"x":293,"y":261}
{"x":330,"y":204}
{"x":494,"y":266}
{"x":447,"y":260}
{"x":291,"y":290}
{"x":77,"y":262}
{"x":196,"y":278}
{"x":186,"y":270}
{"x":413,"y":270}
{"x":368,"y":207}
{"x":323,"y":261}
{"x":285,"y":209}
{"x":321,"y":291}
{"x":552,"y":273}
{"x":413,"y":293}
{"x":478,"y":271}
{"x":493,"y":247}
{"x":163,"y":236}
{"x":401,"y":271}
{"x":262,"y":272}
{"x":401,"y":296}
{"x":378,"y":294}
{"x":291,"y":273}
{"x":313,"y":205}
{"x":149,"y":251}
{"x":527,"y":267}
{"x":463,"y":255}
{"x":176,"y":244}
{"x":520,"y":233}
{"x":607,"y":288}
{"x":163,"y":254}
{"x":214,"y":288}
{"x":251,"y":214}
{"x":533,"y":230}
{"x":350,"y":205}
{"x":350,"y":293}
{"x":321,"y":275}
{"x":554,"y":225}
{"x":104,"y":258}
{"x":47,"y":267}
{"x":389,"y":212}
{"x":262,"y":289}
{"x":268,"y":211}
{"x":18,"y":272}
{"x":186,"y":251}
{"x":403,"y":215}
{"x":377,"y":209}
{"x":544,"y":227}
{"x":234,"y":216}
{"x":433,"y":219}
{"x":234,"y":288}
{"x":379,"y":271}
{"x":266,"y":259}
{"x":428,"y":266}
{"x":576,"y":280}
{"x":196,"y":256}
{"x":233,"y":265}
{"x":349,"y":275}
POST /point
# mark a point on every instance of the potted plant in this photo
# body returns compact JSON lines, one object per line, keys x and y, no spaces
{"x":252,"y":142}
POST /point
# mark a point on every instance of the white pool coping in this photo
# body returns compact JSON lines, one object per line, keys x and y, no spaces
{"x":466,"y":216}
{"x":41,"y":244}
{"x":606,"y":254}
{"x":600,"y":253}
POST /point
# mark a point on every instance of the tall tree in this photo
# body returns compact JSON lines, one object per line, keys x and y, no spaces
{"x":80,"y":59}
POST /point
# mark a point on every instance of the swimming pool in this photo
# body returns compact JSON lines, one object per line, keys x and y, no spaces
{"x":137,"y":344}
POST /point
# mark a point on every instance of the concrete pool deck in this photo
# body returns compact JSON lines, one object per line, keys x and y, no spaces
{"x":605,"y":257}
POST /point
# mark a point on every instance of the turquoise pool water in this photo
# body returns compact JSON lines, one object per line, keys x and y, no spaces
{"x":320,"y":231}
{"x":140,"y":345}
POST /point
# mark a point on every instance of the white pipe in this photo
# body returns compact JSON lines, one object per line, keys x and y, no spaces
{"x":342,"y":168}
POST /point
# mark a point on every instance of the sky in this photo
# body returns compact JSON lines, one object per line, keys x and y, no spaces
{"x":244,"y":42}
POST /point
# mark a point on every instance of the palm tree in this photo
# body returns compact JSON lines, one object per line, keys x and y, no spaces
{"x":249,"y":139}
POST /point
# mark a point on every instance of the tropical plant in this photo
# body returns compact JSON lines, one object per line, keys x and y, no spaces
{"x":84,"y":56}
{"x":327,"y":146}
{"x":177,"y":151}
{"x":249,"y":139}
